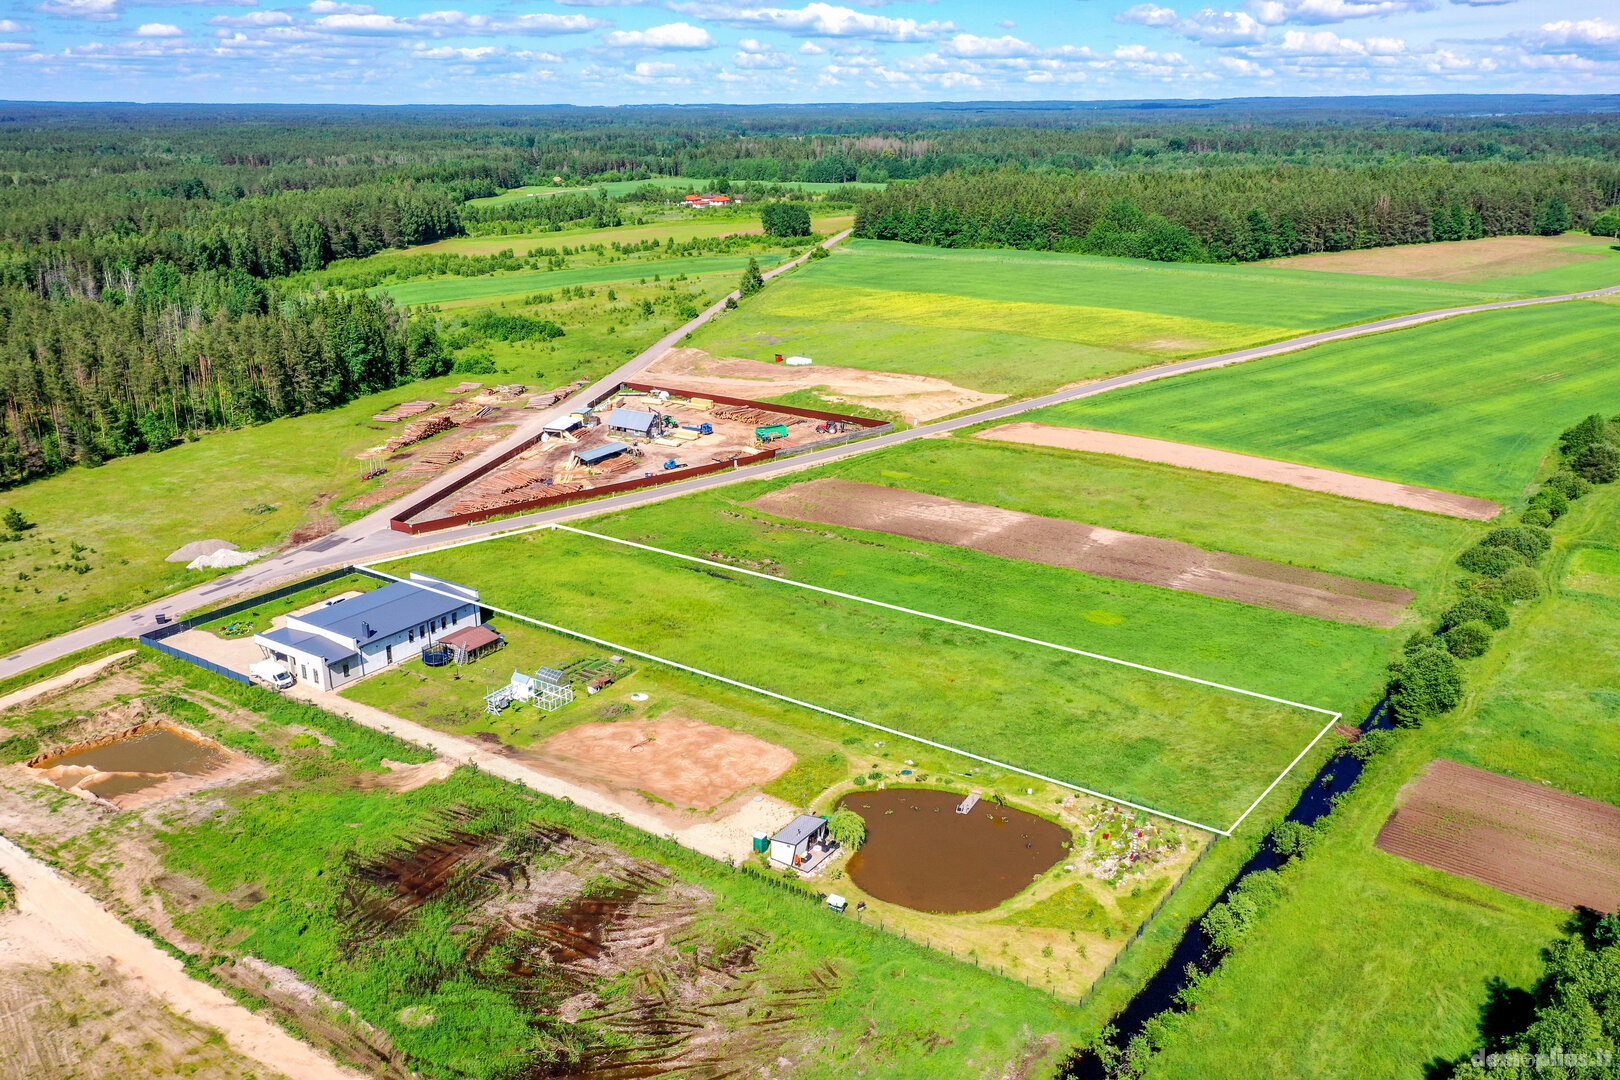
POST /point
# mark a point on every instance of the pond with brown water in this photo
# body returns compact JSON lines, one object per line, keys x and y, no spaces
{"x":135,"y":762}
{"x":920,"y":853}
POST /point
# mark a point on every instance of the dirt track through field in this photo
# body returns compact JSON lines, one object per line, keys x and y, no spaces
{"x":1204,"y":459}
{"x":1523,"y":838}
{"x":1077,"y":546}
{"x":917,"y":398}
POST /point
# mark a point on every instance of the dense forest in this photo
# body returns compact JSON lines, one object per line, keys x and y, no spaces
{"x":158,"y":263}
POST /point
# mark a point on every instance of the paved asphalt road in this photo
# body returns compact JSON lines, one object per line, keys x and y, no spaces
{"x":370,"y":537}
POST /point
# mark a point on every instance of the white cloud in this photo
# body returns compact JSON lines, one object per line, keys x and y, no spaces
{"x":252,"y":18}
{"x":1274,"y":12}
{"x":820,"y":20}
{"x":971,"y":45}
{"x":1208,"y":27}
{"x":14,"y":46}
{"x":8,"y":26}
{"x":450,"y":23}
{"x":1325,"y":43}
{"x":1008,"y":24}
{"x":1247,"y":69}
{"x":675,"y":35}
{"x":810,"y":48}
{"x":1565,"y":33}
{"x":93,"y":10}
{"x":158,"y":30}
{"x":755,"y":54}
{"x":331,"y":7}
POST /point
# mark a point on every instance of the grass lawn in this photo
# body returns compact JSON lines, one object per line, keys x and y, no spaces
{"x":250,"y":486}
{"x":1169,"y":744}
{"x":680,"y":229}
{"x":1469,"y":405}
{"x":1551,"y":712}
{"x":1209,"y":510}
{"x":1018,"y":322}
{"x":450,"y":290}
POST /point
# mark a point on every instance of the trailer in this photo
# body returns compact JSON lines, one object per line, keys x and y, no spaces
{"x":704,"y":428}
{"x":771,"y":432}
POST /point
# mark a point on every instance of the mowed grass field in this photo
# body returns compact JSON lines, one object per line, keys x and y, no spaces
{"x":1551,"y":711}
{"x":1018,"y":322}
{"x":681,"y":229}
{"x":455,"y":290}
{"x":1210,"y":510}
{"x":1173,"y":745}
{"x":1471,"y":404}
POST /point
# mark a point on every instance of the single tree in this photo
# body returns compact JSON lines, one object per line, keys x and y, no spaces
{"x":752,"y":279}
{"x":847,"y":828}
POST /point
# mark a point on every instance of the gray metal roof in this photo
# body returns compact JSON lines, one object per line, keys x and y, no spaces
{"x":309,"y":644}
{"x":632,"y":420}
{"x":601,"y":453}
{"x":385,"y":611}
{"x":800,"y":829}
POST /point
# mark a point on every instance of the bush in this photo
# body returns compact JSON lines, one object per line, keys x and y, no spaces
{"x":1424,"y":684}
{"x":14,"y":520}
{"x":1230,"y":921}
{"x":1520,"y":583}
{"x":1599,"y":463}
{"x":818,"y":252}
{"x":1606,"y":224}
{"x":1539,"y":516}
{"x":1550,"y":499}
{"x":1594,"y":429}
{"x":1291,"y":839}
{"x":1527,"y":541}
{"x":1475,"y":609}
{"x":1372,"y":744}
{"x":1467,"y":640}
{"x":474,"y":363}
{"x":1566,"y":484}
{"x":1490,"y":560}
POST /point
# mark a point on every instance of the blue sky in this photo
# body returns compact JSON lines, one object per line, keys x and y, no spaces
{"x":609,"y":52}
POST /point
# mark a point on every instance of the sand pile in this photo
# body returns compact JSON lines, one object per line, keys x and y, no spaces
{"x":198,"y":548}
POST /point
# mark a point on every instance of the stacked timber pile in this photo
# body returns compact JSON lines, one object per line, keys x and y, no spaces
{"x":422,"y":429}
{"x":435,"y":460}
{"x":549,"y":398}
{"x":746,"y":415}
{"x":511,"y":389}
{"x":404,"y":411}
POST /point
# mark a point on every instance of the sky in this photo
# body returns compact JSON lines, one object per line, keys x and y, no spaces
{"x":613,"y":52}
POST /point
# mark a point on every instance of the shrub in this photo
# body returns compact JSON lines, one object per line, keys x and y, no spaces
{"x":1423,"y":684}
{"x":14,"y":520}
{"x":818,"y":252}
{"x":1468,"y":640}
{"x":1372,"y":744}
{"x":1539,"y":516}
{"x":1291,"y":839}
{"x":1550,"y":499}
{"x":1230,"y":921}
{"x":1599,"y":463}
{"x":1520,"y":583}
{"x":1567,"y":484}
{"x":1527,"y":541}
{"x":1475,"y":609}
{"x":1490,"y":560}
{"x":1594,"y":429}
{"x":474,"y":363}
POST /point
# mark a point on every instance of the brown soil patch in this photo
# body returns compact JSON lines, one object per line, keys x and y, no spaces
{"x":1459,"y":260}
{"x":688,"y":762}
{"x":1094,"y":550}
{"x":404,"y":777}
{"x":917,"y":398}
{"x":1204,"y":459}
{"x":1523,"y":838}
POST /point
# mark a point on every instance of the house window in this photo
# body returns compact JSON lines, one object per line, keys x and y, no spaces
{"x":410,"y":635}
{"x":303,"y":672}
{"x":345,"y":669}
{"x":454,"y":616}
{"x":388,"y":654}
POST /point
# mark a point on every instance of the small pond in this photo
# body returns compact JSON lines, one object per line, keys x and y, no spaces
{"x":920,"y":853}
{"x":141,"y":761}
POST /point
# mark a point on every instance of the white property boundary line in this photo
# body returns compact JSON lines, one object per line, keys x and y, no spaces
{"x":1333,"y":717}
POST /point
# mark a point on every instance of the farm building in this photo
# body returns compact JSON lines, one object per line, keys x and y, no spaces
{"x":792,"y":846}
{"x":634,"y":422}
{"x":706,"y":200}
{"x":350,"y":638}
{"x":598,"y":454}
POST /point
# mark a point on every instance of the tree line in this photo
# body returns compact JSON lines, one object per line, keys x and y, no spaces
{"x":1240,"y":213}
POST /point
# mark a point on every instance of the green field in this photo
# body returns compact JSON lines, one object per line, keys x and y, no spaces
{"x":680,"y":229}
{"x":1550,"y":712}
{"x":1470,"y":404}
{"x":450,"y":290}
{"x":1017,"y":322}
{"x":1368,"y":966}
{"x":1180,"y":747}
{"x":1210,"y":510}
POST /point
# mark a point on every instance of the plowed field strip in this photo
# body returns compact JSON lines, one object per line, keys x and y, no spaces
{"x":1088,"y":548}
{"x":1205,"y":459}
{"x":1523,"y":838}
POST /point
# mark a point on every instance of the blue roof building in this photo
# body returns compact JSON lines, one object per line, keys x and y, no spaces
{"x":346,"y":639}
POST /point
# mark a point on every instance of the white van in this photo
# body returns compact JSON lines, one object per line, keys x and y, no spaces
{"x":272,"y":674}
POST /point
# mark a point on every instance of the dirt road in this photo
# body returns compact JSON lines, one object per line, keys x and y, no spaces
{"x":80,"y":929}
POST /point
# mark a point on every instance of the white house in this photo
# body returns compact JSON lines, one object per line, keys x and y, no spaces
{"x":346,"y":639}
{"x":791,"y":846}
